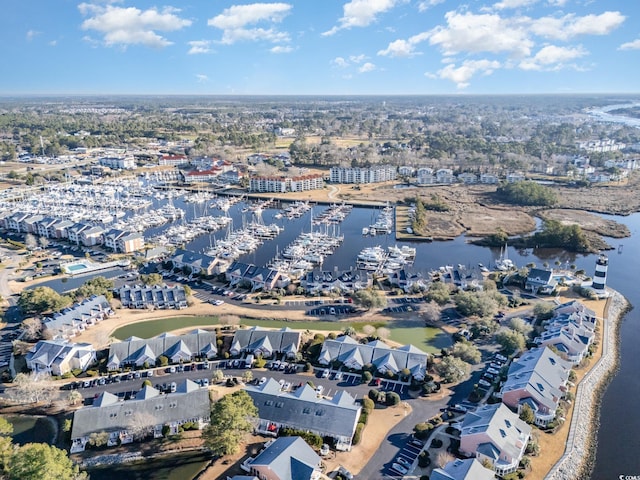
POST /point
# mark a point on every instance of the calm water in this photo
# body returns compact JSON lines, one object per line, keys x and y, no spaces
{"x":616,"y":452}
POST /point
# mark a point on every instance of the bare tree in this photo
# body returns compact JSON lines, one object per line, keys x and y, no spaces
{"x":32,"y":328}
{"x":44,"y":242}
{"x":443,"y":458}
{"x":218,"y":375}
{"x":30,"y":241}
{"x":74,"y":397}
{"x":32,"y":388}
{"x":431,"y":313}
{"x":230,"y":320}
{"x":98,"y":439}
{"x":383,"y":333}
{"x":369,"y":330}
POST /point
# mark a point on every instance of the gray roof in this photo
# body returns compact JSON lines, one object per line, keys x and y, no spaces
{"x":282,"y":340}
{"x":304,"y":410}
{"x":111,"y":415}
{"x":541,"y":373}
{"x":507,"y":432}
{"x":469,"y":469}
{"x":68,"y":318}
{"x":289,"y":458}
{"x":49,"y":352}
{"x":131,"y":349}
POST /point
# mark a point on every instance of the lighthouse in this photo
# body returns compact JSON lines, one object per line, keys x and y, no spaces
{"x":600,"y":275}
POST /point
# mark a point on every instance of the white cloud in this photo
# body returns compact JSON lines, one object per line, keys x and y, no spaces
{"x":361,"y":13}
{"x":199,"y":46}
{"x":404,"y":48}
{"x":31,"y":34}
{"x":367,"y":67}
{"x":462,"y":74}
{"x":202,"y":78}
{"x":635,"y":45}
{"x":569,"y":26}
{"x":468,"y":32}
{"x":281,"y":49}
{"x":557,"y":3}
{"x":358,"y":58}
{"x":132,"y":26}
{"x":513,"y":4}
{"x":552,"y":57}
{"x":427,"y":4}
{"x":233,"y":22}
{"x":53,"y":43}
{"x":340,"y":62}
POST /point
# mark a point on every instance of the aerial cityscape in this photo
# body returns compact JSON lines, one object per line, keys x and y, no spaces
{"x":376,"y":239}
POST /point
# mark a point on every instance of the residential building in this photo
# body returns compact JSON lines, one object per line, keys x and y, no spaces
{"x":131,"y":242}
{"x":488,"y":178}
{"x":352,"y":354}
{"x":74,"y":232}
{"x":173,"y":160}
{"x":445,"y":175}
{"x":571,"y":331}
{"x":58,"y":357}
{"x":495,"y":434}
{"x":198,"y":262}
{"x":265,"y":342}
{"x":91,"y":236}
{"x":324,"y":282}
{"x":260,"y":278}
{"x":153,"y":296}
{"x":119,"y":163}
{"x":373,"y":174}
{"x":208,"y":175}
{"x":304,"y":409}
{"x":287,"y":458}
{"x":110,"y":238}
{"x":30,"y":224}
{"x":136,"y":351}
{"x":70,"y":321}
{"x":45,"y":227}
{"x":537,"y":379}
{"x":468,"y":178}
{"x":425,"y":176}
{"x":515,"y":177}
{"x":282,"y":183}
{"x":458,"y":469}
{"x":146,"y":415}
{"x":540,"y":281}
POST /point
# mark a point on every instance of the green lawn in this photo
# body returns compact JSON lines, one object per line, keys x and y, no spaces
{"x":428,"y":339}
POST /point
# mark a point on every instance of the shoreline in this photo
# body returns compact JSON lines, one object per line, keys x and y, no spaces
{"x":578,"y":458}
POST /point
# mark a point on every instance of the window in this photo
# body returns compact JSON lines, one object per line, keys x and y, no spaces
{"x":269,"y":403}
{"x":306,"y":410}
{"x":319,"y":413}
{"x":279,"y":404}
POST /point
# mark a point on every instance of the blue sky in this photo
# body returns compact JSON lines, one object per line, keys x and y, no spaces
{"x":319,"y":47}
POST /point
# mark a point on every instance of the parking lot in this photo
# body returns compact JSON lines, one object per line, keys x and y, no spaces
{"x":405,"y":461}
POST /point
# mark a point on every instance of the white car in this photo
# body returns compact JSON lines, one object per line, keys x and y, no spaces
{"x":217,"y":302}
{"x":399,"y":468}
{"x":324,"y":450}
{"x":205,"y":382}
{"x":319,"y":389}
{"x":483,"y":383}
{"x":263,"y":380}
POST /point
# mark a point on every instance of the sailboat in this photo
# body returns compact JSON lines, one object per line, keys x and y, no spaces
{"x":504,"y":263}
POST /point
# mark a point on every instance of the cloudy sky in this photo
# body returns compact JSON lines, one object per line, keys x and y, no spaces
{"x":320,"y":47}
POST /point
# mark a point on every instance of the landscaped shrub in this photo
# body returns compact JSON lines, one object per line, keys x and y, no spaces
{"x":368,"y":405}
{"x":423,"y":459}
{"x":313,"y":439}
{"x":436,"y":443}
{"x":363,"y":417}
{"x":308,"y":367}
{"x":366,"y":377}
{"x":392,"y":398}
{"x":422,"y":430}
{"x":357,"y":436}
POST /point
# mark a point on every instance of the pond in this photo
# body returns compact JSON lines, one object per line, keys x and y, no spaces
{"x":173,"y":467}
{"x":31,"y":429}
{"x":429,"y":339}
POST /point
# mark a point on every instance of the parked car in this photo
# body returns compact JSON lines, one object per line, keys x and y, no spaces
{"x":324,"y":450}
{"x":404,"y":462}
{"x":399,"y":468}
{"x":484,"y":383}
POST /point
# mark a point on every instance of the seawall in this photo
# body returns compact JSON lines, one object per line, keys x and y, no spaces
{"x":577,"y":461}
